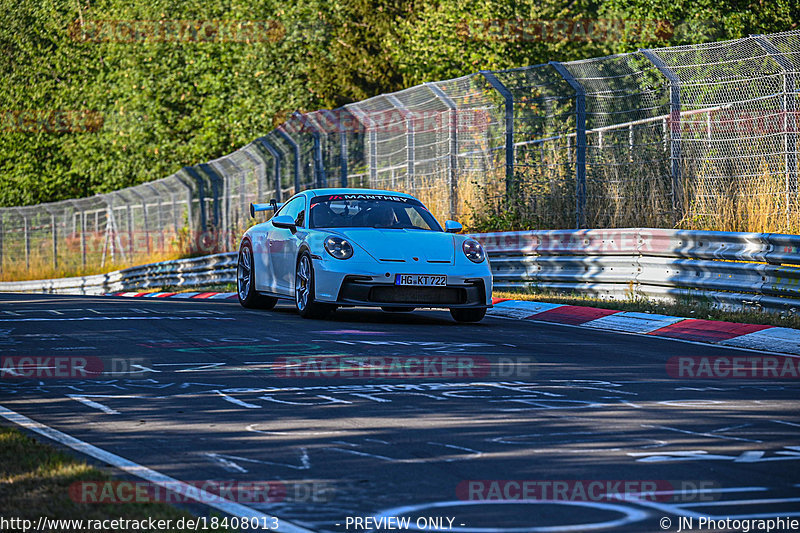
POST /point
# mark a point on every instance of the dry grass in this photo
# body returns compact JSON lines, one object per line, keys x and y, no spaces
{"x":760,"y":206}
{"x":35,"y":480}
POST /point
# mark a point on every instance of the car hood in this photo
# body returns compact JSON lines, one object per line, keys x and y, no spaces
{"x":402,"y":245}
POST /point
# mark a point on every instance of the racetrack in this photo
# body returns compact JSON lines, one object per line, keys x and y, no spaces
{"x":555,"y":405}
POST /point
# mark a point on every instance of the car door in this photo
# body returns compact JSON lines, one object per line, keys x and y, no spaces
{"x":283,"y":245}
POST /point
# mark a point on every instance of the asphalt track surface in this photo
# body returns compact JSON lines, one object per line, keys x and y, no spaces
{"x":559,"y":404}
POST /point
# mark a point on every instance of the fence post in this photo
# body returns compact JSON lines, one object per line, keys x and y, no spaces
{"x":372,"y":156}
{"x":189,"y":201}
{"x":215,"y":179}
{"x":410,"y":148}
{"x":54,"y":236}
{"x":580,"y":143}
{"x":296,"y":150}
{"x":27,"y":242}
{"x":83,"y":238}
{"x":2,"y":213}
{"x":452,"y":167}
{"x":342,"y":144}
{"x":145,"y":224}
{"x":201,"y":193}
{"x":674,"y":130}
{"x":276,"y":160}
{"x":789,"y":104}
{"x":320,"y":179}
{"x":509,"y":108}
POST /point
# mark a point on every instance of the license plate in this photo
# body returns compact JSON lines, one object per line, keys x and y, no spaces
{"x":425,"y":280}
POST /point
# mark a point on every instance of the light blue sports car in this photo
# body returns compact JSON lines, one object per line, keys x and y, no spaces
{"x":329,"y":248}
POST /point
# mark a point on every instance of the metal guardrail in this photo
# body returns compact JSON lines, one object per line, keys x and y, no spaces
{"x":193,"y":272}
{"x":753,"y":271}
{"x":737,"y":271}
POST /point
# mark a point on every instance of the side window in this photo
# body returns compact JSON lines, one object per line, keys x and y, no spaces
{"x":295,"y":209}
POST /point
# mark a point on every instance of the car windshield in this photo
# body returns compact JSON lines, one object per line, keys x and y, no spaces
{"x":370,"y":211}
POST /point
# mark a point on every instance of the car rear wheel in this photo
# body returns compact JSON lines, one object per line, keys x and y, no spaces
{"x":304,"y":291}
{"x":246,"y":281}
{"x":468,"y":315}
{"x":398,"y":309}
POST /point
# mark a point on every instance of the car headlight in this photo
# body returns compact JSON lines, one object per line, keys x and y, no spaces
{"x":473,"y":250}
{"x":338,"y":247}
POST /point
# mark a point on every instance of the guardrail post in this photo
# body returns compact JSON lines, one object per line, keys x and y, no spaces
{"x":296,"y":150}
{"x":320,"y":179}
{"x":509,"y":108}
{"x":789,"y":104}
{"x":580,"y":143}
{"x":452,"y":167}
{"x":674,"y":130}
{"x":276,"y":159}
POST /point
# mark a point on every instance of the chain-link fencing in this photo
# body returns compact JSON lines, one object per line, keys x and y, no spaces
{"x":696,"y":137}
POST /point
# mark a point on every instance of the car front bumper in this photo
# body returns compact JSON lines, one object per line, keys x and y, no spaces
{"x":370,"y":285}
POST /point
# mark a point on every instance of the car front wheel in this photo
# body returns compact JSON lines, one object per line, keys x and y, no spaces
{"x":307,"y":307}
{"x":468,"y":315}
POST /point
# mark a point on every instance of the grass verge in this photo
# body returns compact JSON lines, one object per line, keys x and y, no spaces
{"x":688,"y":310}
{"x":35,"y":479}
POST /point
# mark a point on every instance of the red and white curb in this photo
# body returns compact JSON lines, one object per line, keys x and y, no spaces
{"x":181,"y":295}
{"x":749,"y":336}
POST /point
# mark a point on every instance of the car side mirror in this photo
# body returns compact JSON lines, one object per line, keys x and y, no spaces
{"x":283,"y":222}
{"x":451,"y":226}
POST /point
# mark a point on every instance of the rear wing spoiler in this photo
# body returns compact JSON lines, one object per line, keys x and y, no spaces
{"x":273,"y":205}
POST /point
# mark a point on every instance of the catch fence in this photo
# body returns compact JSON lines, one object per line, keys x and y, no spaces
{"x":695,"y":137}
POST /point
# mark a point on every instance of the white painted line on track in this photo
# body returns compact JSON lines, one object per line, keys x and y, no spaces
{"x":211,"y":500}
{"x":96,"y":405}
{"x":629,"y":516}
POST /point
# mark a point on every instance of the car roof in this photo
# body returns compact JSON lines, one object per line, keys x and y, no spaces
{"x":331,"y":190}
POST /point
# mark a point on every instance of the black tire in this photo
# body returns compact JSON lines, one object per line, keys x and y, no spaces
{"x":398,"y":309}
{"x":468,"y":315}
{"x":246,"y":281}
{"x":304,"y":290}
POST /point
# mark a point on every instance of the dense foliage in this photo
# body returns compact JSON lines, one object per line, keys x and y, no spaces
{"x":84,"y":111}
